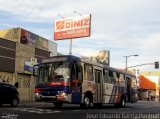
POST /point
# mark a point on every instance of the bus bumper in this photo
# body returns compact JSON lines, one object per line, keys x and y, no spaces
{"x":60,"y":97}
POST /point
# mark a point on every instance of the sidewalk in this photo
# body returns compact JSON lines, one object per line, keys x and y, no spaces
{"x":34,"y":104}
{"x":149,"y":101}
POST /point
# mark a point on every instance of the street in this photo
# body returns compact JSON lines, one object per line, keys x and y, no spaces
{"x":142,"y":109}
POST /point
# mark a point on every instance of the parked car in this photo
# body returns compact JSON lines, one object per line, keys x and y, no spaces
{"x":8,"y":94}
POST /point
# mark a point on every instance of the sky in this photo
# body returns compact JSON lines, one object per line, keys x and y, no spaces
{"x":125,"y":27}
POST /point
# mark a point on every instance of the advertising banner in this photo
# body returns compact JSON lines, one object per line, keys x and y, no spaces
{"x":103,"y":57}
{"x":28,"y":38}
{"x":42,"y":43}
{"x":28,"y":66}
{"x":33,"y":40}
{"x":74,"y":27}
{"x":52,"y":47}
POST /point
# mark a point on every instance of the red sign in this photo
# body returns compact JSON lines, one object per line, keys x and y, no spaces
{"x":59,"y":83}
{"x":74,"y":27}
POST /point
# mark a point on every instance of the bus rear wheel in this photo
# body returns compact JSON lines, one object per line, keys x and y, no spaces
{"x":58,"y":104}
{"x":122,"y":102}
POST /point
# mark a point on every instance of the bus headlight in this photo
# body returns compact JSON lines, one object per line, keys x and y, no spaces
{"x":61,"y":91}
{"x":63,"y":94}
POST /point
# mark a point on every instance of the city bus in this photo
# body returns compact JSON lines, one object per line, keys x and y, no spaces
{"x":74,"y":80}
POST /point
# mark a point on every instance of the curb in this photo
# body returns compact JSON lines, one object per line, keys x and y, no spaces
{"x":34,"y":104}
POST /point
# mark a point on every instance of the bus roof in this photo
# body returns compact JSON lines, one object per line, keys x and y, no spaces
{"x":75,"y":58}
{"x":60,"y":58}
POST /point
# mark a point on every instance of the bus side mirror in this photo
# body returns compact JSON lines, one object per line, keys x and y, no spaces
{"x":35,"y":70}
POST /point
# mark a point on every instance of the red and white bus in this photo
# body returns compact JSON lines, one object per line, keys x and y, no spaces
{"x":70,"y":79}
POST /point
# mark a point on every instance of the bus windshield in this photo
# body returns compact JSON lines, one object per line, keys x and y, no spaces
{"x":53,"y":72}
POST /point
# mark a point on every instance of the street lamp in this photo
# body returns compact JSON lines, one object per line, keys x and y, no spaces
{"x":127,"y":59}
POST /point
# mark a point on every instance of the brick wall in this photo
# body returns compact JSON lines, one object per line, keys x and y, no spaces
{"x":23,"y":53}
{"x":7,"y":55}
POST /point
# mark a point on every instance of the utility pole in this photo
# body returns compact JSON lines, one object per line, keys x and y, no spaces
{"x":127,"y":60}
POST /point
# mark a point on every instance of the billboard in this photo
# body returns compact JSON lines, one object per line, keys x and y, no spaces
{"x":42,"y":43}
{"x":10,"y":34}
{"x":28,"y":38}
{"x":33,"y":40}
{"x":103,"y":57}
{"x":74,"y":27}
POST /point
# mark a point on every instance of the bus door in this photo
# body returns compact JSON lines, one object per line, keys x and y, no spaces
{"x":128,"y":86}
{"x":99,"y":86}
{"x":134,"y":90}
{"x":76,"y":82}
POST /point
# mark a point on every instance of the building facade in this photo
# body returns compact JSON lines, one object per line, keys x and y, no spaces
{"x":19,"y":51}
{"x":149,"y":84}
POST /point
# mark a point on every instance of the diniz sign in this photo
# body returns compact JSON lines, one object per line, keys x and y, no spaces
{"x":74,"y":27}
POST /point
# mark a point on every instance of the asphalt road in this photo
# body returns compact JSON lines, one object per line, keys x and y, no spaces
{"x":140,"y":110}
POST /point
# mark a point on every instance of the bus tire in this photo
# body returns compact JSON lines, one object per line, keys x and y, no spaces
{"x":123,"y":102}
{"x":58,"y":104}
{"x":87,"y":101}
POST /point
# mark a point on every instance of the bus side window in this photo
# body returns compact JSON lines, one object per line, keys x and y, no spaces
{"x":116,"y":75}
{"x":128,"y":82}
{"x":76,"y":72}
{"x":80,"y":72}
{"x":107,"y":79}
{"x":73,"y":72}
{"x":121,"y":80}
{"x":47,"y":72}
{"x":41,"y":73}
{"x":88,"y":72}
{"x":134,"y":83}
{"x":112,"y":80}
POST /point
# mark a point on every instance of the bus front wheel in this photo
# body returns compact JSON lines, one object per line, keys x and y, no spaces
{"x":86,"y":103}
{"x":58,"y":104}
